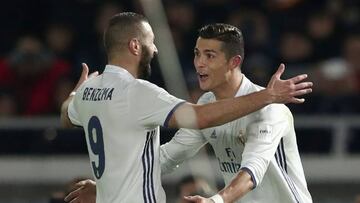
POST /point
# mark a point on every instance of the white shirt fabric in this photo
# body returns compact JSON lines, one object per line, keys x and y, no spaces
{"x":121,"y":117}
{"x":262,"y":143}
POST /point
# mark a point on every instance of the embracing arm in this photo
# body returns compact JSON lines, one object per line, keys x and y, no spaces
{"x":184,"y":145}
{"x":64,"y":117}
{"x":237,"y":188}
{"x":223,"y":111}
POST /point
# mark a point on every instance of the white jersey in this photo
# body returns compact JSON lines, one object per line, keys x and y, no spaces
{"x":121,"y":117}
{"x":262,"y":143}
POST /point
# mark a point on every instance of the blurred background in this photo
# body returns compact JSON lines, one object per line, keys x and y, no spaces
{"x":43,"y":43}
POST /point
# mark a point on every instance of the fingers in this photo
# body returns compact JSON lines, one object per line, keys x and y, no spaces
{"x":81,"y":183}
{"x":75,"y":200}
{"x":74,"y":194}
{"x":276,"y":76}
{"x":94,"y":74}
{"x":301,"y":92}
{"x":297,"y":100}
{"x":279,"y":71}
{"x":85,"y":70}
{"x":303,"y":85}
{"x":298,"y":78}
{"x":84,"y":76}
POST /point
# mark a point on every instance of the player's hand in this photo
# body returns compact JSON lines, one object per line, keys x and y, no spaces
{"x":85,"y":75}
{"x":198,"y":199}
{"x":83,"y":192}
{"x":287,"y":91}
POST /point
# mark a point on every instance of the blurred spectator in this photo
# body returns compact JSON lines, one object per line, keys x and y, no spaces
{"x":59,"y":39}
{"x":31,"y":72}
{"x":91,"y":47}
{"x":259,"y":67}
{"x":324,"y":33}
{"x":344,"y":70}
{"x":7,"y":104}
{"x":182,"y":21}
{"x":254,"y":25}
{"x":190,"y":185}
{"x":295,"y":50}
{"x":351,"y":52}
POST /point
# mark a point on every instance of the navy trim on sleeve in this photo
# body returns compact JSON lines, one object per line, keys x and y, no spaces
{"x":251,"y":174}
{"x":166,"y":123}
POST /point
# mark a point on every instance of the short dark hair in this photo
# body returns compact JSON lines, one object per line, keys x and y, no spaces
{"x":231,"y":36}
{"x":122,"y":27}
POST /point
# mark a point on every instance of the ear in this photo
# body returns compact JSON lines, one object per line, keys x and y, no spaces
{"x":235,"y":61}
{"x":134,"y":46}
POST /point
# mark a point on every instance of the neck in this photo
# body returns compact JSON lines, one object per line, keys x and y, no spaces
{"x":128,"y":64}
{"x":230,"y":87}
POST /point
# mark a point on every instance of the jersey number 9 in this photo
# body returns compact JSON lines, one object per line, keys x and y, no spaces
{"x":95,"y":134}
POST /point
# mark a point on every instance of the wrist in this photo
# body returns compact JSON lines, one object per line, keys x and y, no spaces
{"x":268,"y":97}
{"x":217,"y":199}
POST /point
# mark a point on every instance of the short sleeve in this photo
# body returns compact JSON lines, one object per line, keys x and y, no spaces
{"x":150,"y":104}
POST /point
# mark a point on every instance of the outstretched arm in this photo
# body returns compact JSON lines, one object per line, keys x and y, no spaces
{"x":223,"y":111}
{"x":64,"y":118}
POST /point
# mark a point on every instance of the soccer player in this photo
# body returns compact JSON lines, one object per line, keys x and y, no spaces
{"x":257,"y":154}
{"x":121,"y":114}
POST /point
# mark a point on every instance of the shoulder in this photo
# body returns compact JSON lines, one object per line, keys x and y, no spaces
{"x":147,"y":91}
{"x":146,"y":85}
{"x":274,"y":112}
{"x":207,"y":97}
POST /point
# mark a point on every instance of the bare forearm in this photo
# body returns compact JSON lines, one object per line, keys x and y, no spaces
{"x":220,"y":112}
{"x":226,"y":110}
{"x":237,"y":188}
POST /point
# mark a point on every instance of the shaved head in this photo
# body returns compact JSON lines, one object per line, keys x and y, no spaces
{"x":122,"y":28}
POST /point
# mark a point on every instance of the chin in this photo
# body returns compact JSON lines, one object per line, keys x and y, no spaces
{"x":204,"y":87}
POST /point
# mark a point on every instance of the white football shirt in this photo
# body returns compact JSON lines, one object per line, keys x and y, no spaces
{"x":121,"y":117}
{"x":262,"y":143}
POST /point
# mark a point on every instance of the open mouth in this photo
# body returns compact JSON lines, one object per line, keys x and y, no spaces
{"x":203,"y":76}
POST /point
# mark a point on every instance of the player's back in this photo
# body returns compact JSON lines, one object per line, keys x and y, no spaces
{"x":122,"y":135}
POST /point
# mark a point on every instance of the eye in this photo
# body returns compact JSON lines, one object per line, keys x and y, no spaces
{"x":196,"y":53}
{"x":210,"y":56}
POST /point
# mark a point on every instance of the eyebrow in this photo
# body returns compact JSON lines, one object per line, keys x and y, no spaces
{"x":207,"y":50}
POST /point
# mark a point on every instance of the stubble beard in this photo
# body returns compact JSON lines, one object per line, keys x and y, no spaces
{"x":144,"y":64}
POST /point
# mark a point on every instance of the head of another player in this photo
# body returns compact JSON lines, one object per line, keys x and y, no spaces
{"x":130,"y":37}
{"x":219,"y":52}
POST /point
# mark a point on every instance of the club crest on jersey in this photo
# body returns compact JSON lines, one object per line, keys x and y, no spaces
{"x":213,"y":134}
{"x":242,"y":138}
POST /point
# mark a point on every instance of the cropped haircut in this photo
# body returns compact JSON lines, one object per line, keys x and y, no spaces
{"x":231,"y":36}
{"x":121,"y":28}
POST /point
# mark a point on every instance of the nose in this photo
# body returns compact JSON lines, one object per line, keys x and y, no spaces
{"x":198,"y":62}
{"x":155,"y":49}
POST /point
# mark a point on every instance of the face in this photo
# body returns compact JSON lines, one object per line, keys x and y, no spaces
{"x":148,"y":50}
{"x":211,"y":65}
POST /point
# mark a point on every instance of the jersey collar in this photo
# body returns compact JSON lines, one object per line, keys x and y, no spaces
{"x":117,"y":69}
{"x":244,"y":87}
